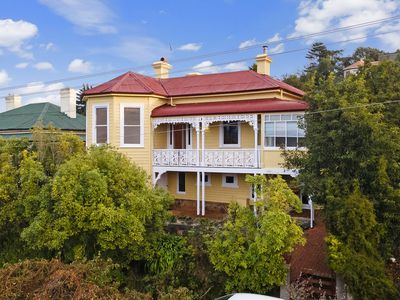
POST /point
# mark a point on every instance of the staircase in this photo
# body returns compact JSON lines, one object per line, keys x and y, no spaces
{"x":319,"y":285}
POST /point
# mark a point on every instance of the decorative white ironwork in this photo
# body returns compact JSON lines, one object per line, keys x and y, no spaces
{"x":231,"y":158}
{"x":194,"y":121}
{"x":223,"y":158}
{"x":249,"y":118}
{"x":206,"y":120}
{"x":174,"y":157}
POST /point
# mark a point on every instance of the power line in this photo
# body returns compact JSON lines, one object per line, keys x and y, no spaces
{"x":397,"y":101}
{"x":234,"y":61}
{"x":217,"y":53}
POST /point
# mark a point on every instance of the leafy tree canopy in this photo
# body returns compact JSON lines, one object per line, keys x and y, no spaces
{"x":98,"y":203}
{"x":250,"y":249}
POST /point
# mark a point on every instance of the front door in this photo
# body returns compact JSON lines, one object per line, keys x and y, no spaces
{"x":180,"y":136}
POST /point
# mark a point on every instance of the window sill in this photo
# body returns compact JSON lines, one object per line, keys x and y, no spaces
{"x":237,"y":146}
{"x":131,"y":146}
{"x":286,"y":148}
{"x":230,"y":186}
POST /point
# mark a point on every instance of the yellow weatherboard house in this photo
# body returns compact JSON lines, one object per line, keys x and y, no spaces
{"x":199,"y":135}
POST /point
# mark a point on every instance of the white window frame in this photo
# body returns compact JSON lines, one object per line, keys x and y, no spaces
{"x":235,"y":184}
{"x":188,"y":132}
{"x":122,"y":125}
{"x":94,"y":131}
{"x":177,"y":183}
{"x":206,"y":183}
{"x":221,"y":136}
{"x":280,"y":114}
{"x":171,"y":136}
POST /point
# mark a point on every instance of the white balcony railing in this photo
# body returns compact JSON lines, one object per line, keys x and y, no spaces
{"x":215,"y":158}
{"x":175,"y":157}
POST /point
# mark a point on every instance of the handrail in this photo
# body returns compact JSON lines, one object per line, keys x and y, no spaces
{"x":247,"y":158}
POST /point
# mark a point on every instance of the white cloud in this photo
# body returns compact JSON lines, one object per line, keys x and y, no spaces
{"x":4,"y":78}
{"x":80,"y":66}
{"x":277,"y":49}
{"x":190,"y":47}
{"x":206,"y":66}
{"x":36,"y":92}
{"x":391,"y":39}
{"x":89,"y":15}
{"x":140,"y":50}
{"x":321,"y":15}
{"x":22,"y":65}
{"x":248,"y":43}
{"x":15,"y":34}
{"x":44,"y":65}
{"x":275,"y":38}
{"x":237,"y":66}
{"x":48,"y":46}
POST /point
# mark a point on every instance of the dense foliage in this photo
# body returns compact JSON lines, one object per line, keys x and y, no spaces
{"x":353,"y":146}
{"x":353,"y":251}
{"x":250,"y":249}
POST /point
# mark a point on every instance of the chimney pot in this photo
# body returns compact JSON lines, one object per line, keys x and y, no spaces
{"x":68,"y":102}
{"x":12,"y":102}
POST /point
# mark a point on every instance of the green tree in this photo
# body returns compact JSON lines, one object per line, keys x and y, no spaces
{"x":366,"y":53}
{"x":253,"y":67}
{"x":352,"y":137}
{"x":99,"y":203}
{"x":250,"y":249}
{"x":80,"y":103}
{"x":322,"y":62}
{"x":296,"y":80}
{"x":54,"y":147}
{"x":353,"y":252}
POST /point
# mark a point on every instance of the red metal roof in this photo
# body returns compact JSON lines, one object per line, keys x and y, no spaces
{"x":229,"y":107}
{"x":129,"y":83}
{"x":229,"y":82}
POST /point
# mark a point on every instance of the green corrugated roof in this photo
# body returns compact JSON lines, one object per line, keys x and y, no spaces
{"x":44,"y":114}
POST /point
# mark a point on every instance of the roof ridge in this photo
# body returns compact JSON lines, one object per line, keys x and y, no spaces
{"x":260,"y":76}
{"x":43,"y":112}
{"x":118,"y":83}
{"x":144,"y":85}
{"x":162,"y":85}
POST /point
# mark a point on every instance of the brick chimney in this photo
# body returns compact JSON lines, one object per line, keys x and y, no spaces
{"x":264,"y":63}
{"x":68,"y":102}
{"x":13,"y":101}
{"x":161,"y":68}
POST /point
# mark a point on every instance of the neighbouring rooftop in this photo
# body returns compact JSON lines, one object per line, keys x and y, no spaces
{"x":44,"y":114}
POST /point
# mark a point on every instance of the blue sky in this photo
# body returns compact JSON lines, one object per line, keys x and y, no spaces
{"x":47,"y":40}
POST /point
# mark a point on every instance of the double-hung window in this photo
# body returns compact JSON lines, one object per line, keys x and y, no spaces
{"x":132,"y":126}
{"x":100,"y":124}
{"x":284,"y":130}
{"x":230,"y":134}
